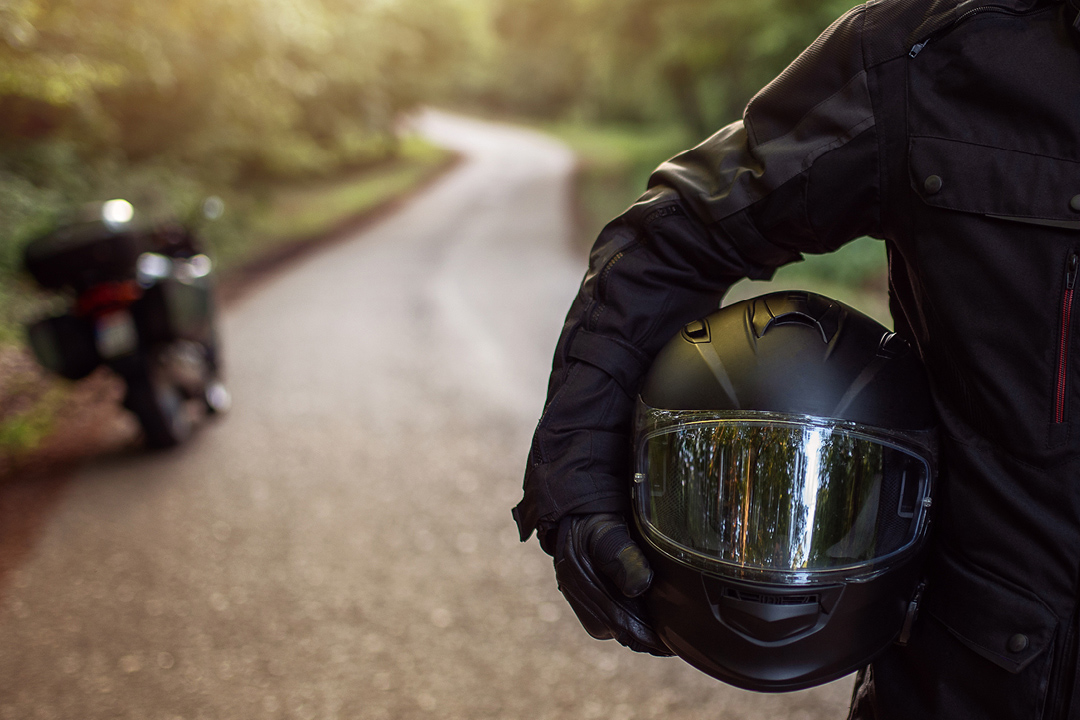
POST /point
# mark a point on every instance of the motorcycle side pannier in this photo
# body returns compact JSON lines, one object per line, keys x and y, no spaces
{"x":65,"y":345}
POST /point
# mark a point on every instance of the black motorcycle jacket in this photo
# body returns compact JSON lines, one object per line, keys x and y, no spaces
{"x":951,"y":131}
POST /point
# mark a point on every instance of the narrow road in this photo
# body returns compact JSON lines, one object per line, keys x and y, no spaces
{"x":340,"y":545}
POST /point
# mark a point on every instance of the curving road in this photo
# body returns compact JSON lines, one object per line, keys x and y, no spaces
{"x":340,"y":546}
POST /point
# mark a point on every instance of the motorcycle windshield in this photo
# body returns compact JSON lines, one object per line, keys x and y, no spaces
{"x":777,"y":496}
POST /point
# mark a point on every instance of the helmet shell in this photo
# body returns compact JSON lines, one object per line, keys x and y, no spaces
{"x":797,"y":354}
{"x":793,"y":352}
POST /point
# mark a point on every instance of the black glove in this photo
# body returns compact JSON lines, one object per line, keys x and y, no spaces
{"x":606,"y":602}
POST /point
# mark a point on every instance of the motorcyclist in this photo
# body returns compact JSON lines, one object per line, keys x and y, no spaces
{"x":948,"y":129}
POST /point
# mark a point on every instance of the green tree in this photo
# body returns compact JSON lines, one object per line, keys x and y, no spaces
{"x":697,"y":61}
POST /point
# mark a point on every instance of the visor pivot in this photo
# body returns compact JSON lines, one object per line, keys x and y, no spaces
{"x":639,"y":478}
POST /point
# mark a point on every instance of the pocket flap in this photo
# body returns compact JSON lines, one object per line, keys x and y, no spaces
{"x":1007,"y":625}
{"x":990,"y":181}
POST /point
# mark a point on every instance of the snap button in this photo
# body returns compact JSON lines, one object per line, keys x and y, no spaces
{"x":932,"y":185}
{"x":1018,"y":643}
{"x":1075,"y":203}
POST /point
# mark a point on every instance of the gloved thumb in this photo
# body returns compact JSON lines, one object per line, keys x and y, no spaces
{"x":617,"y":555}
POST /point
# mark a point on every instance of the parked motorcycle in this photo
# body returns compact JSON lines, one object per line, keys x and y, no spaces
{"x":140,"y":302}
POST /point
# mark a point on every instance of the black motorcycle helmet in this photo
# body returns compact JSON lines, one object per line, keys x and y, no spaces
{"x":784,"y":468}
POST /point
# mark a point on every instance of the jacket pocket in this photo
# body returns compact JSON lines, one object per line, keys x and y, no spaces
{"x":996,"y":235}
{"x":995,"y":182}
{"x":991,"y":646}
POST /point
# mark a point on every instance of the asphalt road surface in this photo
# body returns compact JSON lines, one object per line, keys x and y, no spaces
{"x":340,"y":545}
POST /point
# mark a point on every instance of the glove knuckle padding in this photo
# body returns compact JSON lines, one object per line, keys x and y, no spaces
{"x":617,"y":555}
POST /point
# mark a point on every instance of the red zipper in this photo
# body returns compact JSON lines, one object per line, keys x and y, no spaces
{"x":1063,"y":348}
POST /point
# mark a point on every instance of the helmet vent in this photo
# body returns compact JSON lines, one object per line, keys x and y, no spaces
{"x":812,"y":311}
{"x":769,"y":599}
{"x":766,"y":617}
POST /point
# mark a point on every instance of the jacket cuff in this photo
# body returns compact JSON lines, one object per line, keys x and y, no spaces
{"x":528,"y":514}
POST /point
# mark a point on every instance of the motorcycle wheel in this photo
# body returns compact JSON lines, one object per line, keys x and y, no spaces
{"x":159,"y":403}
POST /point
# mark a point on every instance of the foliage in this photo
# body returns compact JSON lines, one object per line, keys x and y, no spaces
{"x":695,"y":61}
{"x":167,"y":103}
{"x":103,"y":97}
{"x":279,"y":86}
{"x":614,"y":164}
{"x":29,"y":405}
{"x":682,"y":64}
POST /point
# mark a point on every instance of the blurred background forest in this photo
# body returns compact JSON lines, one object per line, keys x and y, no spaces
{"x":294,"y":111}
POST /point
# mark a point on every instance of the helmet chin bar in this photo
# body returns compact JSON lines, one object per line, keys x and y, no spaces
{"x":771,"y":638}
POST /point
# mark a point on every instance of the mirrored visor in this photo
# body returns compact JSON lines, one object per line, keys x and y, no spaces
{"x":778,"y":494}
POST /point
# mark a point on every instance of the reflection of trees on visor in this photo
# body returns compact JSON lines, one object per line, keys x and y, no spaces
{"x":780,"y":496}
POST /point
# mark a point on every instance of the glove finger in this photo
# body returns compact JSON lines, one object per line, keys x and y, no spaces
{"x":630,"y":571}
{"x":617,"y":555}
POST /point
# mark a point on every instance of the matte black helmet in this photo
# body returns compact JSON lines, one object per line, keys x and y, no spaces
{"x":784,"y":468}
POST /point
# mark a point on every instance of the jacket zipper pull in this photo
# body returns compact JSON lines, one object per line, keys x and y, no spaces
{"x":917,"y":48}
{"x":1070,"y":276}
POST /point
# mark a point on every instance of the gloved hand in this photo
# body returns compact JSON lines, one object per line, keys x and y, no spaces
{"x":601,"y":573}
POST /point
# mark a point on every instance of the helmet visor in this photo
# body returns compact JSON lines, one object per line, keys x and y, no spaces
{"x":778,"y":496}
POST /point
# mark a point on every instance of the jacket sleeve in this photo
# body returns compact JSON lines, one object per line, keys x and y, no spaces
{"x":798,"y":174}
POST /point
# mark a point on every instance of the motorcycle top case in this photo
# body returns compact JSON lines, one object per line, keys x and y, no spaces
{"x":81,"y":255}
